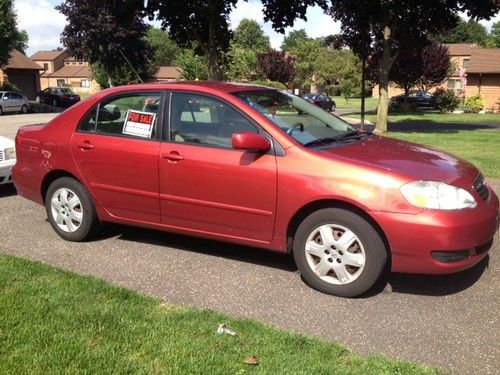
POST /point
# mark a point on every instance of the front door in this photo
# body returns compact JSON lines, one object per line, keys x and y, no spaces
{"x":116,"y":150}
{"x":205,"y":185}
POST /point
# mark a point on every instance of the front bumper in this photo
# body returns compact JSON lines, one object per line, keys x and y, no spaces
{"x":5,"y":171}
{"x":440,"y":242}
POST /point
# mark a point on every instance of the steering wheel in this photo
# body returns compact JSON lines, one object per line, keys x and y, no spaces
{"x":298,"y":125}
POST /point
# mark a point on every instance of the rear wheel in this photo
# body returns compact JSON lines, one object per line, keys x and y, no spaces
{"x":24,"y":109}
{"x":70,"y":210}
{"x":338,"y":252}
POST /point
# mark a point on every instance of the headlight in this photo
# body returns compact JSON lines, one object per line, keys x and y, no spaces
{"x":437,"y":195}
{"x":10,"y":153}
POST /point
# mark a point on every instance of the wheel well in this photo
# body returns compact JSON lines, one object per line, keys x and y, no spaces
{"x":308,"y":209}
{"x":51,"y":177}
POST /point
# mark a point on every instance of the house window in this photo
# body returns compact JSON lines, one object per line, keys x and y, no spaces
{"x":45,"y":66}
{"x":465,"y":63}
{"x":455,"y":85}
{"x":60,"y":82}
{"x":84,"y":83}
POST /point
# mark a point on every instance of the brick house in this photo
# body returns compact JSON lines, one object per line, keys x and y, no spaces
{"x":63,"y":70}
{"x":482,"y":72}
{"x":22,"y":72}
{"x":167,"y":74}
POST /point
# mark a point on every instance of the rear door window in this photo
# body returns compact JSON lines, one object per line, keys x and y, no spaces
{"x":128,"y":115}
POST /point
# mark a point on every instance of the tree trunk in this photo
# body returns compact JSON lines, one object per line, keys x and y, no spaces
{"x":384,"y":68}
{"x":214,"y":73}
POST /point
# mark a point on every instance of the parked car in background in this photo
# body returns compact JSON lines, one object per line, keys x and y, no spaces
{"x":7,"y":159}
{"x":13,"y":102}
{"x":57,"y":96}
{"x":321,"y":100}
{"x":418,"y":98}
{"x":259,"y":167}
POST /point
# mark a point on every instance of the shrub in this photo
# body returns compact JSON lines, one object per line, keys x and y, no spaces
{"x":7,"y":86}
{"x":403,"y":108}
{"x":474,"y":103}
{"x":445,"y":101}
{"x":333,"y":90}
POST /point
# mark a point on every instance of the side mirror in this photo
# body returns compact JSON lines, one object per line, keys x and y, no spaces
{"x":250,"y":141}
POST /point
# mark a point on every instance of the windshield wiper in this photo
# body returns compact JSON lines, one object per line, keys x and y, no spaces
{"x":346,"y":136}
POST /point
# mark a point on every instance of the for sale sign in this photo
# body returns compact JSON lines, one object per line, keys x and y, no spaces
{"x":139,"y":124}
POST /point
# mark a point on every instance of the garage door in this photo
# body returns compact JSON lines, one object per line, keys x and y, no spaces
{"x":25,"y":80}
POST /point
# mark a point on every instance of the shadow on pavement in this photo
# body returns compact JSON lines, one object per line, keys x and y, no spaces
{"x":438,"y":285}
{"x":429,"y":285}
{"x":7,"y":190}
{"x":202,"y":246}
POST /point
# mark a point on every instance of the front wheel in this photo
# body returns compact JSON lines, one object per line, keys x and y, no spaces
{"x":24,"y":109}
{"x":338,"y":252}
{"x":70,"y":210}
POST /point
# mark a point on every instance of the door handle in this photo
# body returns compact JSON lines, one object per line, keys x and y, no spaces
{"x":85,"y":145}
{"x":173,"y":156}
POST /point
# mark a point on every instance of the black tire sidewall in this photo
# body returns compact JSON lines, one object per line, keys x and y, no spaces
{"x":375,"y":251}
{"x":24,"y":109}
{"x":89,"y":223}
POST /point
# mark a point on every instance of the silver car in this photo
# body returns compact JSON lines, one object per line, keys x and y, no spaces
{"x":13,"y":102}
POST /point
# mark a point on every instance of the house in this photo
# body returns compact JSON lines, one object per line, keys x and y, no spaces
{"x":167,"y":74}
{"x":477,"y":70}
{"x":63,"y":70}
{"x":22,"y":72}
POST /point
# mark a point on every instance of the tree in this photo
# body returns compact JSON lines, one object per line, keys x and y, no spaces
{"x":198,"y":23}
{"x":277,"y":66}
{"x":293,"y":38}
{"x":393,"y":26}
{"x":423,"y":67}
{"x":193,"y":67}
{"x":464,"y":32}
{"x":110,"y":33}
{"x":249,"y":35}
{"x":8,"y":30}
{"x":493,"y":39}
{"x":164,"y":49}
{"x":243,"y":64}
{"x":21,"y":37}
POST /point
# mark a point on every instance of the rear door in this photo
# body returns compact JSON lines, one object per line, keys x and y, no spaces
{"x":116,"y":150}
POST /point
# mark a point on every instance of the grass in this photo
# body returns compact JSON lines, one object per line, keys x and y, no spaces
{"x":478,"y":147}
{"x":53,"y":321}
{"x":435,"y":117}
{"x":355,"y":103}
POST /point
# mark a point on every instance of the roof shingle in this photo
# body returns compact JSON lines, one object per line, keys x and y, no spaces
{"x":75,"y":71}
{"x":47,"y":55}
{"x":19,"y":61}
{"x":485,"y":60}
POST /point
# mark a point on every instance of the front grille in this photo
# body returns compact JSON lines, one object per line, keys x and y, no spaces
{"x":1,"y":155}
{"x":479,"y":185}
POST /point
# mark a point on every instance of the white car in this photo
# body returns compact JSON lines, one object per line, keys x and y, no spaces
{"x":7,"y":159}
{"x":13,"y":102}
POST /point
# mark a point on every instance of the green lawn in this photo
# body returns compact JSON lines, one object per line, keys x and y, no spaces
{"x":480,"y":147}
{"x":355,"y":103}
{"x":435,"y":117}
{"x":54,"y":322}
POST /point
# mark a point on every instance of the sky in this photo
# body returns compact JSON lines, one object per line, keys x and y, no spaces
{"x":44,"y":24}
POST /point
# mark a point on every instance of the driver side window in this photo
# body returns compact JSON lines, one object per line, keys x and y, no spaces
{"x":207,"y":121}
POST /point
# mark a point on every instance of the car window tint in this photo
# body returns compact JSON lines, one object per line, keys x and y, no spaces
{"x":17,"y":96}
{"x":198,"y":119}
{"x":131,"y":115}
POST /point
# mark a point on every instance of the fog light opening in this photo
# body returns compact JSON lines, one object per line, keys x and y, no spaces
{"x":450,"y":256}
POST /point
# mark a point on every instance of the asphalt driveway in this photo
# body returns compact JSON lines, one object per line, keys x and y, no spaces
{"x":451,"y":322}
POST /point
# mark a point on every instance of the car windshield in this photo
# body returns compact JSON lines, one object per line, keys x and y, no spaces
{"x":64,"y":91}
{"x":305,"y":122}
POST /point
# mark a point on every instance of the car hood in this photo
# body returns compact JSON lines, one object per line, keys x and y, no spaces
{"x":414,"y":161}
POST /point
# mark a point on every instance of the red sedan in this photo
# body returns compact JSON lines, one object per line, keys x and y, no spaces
{"x":255,"y":166}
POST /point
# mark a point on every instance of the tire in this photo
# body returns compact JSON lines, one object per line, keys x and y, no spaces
{"x":331,"y":266}
{"x":70,"y":210}
{"x":1,"y":111}
{"x":24,"y":109}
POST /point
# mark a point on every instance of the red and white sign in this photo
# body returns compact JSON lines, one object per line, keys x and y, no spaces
{"x":139,"y":124}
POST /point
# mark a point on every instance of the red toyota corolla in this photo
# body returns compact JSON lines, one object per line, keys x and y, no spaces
{"x":255,"y":166}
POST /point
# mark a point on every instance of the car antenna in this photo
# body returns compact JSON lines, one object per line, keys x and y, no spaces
{"x":128,"y":62}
